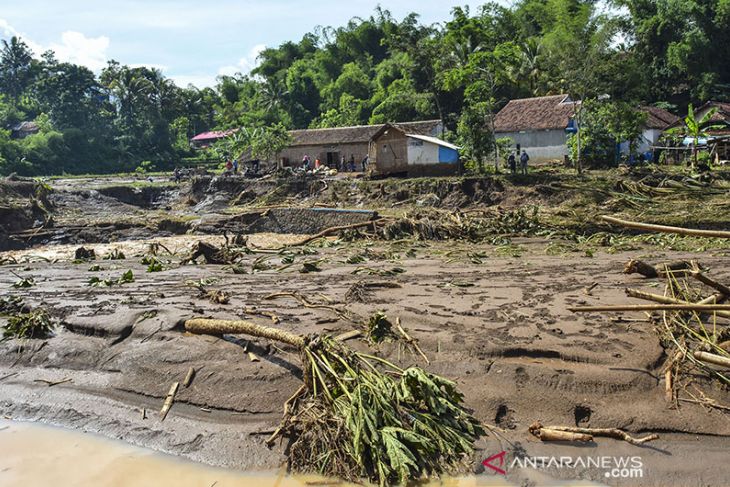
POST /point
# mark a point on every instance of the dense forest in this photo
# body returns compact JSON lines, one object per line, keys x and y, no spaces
{"x":463,"y":70}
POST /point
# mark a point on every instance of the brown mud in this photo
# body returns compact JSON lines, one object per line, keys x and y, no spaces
{"x":497,"y":325}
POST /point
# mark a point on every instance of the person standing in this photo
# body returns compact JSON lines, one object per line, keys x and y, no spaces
{"x":523,"y":161}
{"x":341,"y":164}
{"x":305,"y":162}
{"x":352,"y":162}
{"x":235,"y":166}
{"x":365,"y":163}
{"x":512,"y":161}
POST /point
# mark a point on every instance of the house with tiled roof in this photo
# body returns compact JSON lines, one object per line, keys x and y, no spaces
{"x":541,"y":125}
{"x":537,"y":125}
{"x":329,"y":145}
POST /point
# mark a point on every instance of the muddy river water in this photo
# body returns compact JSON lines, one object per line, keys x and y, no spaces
{"x":38,"y":455}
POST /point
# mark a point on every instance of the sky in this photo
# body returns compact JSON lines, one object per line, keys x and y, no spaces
{"x":190,"y":41}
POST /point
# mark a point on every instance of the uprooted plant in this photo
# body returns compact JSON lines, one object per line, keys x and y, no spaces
{"x":34,"y":324}
{"x":360,"y":416}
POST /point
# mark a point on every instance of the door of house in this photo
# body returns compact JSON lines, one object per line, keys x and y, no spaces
{"x":333,"y":158}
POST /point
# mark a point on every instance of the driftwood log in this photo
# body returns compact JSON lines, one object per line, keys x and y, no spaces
{"x":553,"y":433}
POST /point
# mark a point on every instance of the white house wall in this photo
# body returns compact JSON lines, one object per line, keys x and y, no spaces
{"x":421,"y":152}
{"x":541,"y":145}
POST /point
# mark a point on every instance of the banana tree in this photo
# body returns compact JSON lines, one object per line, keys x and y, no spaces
{"x":696,"y":129}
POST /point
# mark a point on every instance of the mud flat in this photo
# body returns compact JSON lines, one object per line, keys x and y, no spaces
{"x":497,"y":323}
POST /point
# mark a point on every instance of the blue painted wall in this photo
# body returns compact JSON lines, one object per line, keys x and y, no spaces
{"x":448,"y":155}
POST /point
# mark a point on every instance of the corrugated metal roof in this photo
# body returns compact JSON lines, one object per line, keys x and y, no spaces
{"x":433,"y":140}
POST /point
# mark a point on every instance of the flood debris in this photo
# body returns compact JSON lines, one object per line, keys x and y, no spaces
{"x":34,"y":324}
{"x":686,"y":321}
{"x":126,"y":277}
{"x":82,"y":254}
{"x":360,"y":416}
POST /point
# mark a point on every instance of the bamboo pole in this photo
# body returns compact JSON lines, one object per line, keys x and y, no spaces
{"x":234,"y":327}
{"x":169,"y":399}
{"x":713,"y":359}
{"x":667,"y":229}
{"x":723,"y":289}
{"x":652,"y":307}
{"x":635,"y":293}
{"x":607,"y":432}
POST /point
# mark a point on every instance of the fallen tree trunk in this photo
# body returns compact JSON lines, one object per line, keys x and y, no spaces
{"x":652,"y":307}
{"x":692,"y":232}
{"x":711,"y":358}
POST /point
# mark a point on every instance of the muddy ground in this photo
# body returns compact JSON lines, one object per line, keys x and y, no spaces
{"x":497,"y":324}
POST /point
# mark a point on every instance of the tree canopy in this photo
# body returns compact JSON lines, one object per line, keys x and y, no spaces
{"x":371,"y":70}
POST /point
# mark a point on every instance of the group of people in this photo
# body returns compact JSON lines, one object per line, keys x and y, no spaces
{"x":512,"y":161}
{"x":343,"y":165}
{"x":232,"y":167}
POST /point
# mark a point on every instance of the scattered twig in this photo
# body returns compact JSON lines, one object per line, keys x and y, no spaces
{"x":189,"y":377}
{"x":51,"y":383}
{"x":169,"y":399}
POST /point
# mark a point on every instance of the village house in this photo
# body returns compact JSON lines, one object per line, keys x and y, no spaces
{"x":537,"y":125}
{"x":206,"y":139}
{"x":394,"y":150}
{"x":541,"y":126}
{"x":331,"y":144}
{"x":23,"y":130}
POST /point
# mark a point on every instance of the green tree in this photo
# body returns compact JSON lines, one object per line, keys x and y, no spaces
{"x":696,"y":129}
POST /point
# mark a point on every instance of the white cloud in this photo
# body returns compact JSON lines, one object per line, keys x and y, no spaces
{"x":76,"y":48}
{"x":197,"y":80}
{"x":245,"y":64}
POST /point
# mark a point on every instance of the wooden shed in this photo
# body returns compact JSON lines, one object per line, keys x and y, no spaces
{"x":393,"y":151}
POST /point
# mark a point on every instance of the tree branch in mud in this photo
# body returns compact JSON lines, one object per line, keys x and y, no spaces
{"x":553,"y":433}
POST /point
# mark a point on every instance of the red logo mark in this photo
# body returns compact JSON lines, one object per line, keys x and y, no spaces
{"x":499,"y":456}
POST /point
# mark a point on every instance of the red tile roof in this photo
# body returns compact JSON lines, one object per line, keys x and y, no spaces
{"x":213,"y":135}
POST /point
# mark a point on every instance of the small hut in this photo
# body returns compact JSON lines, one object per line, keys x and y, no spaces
{"x":393,"y":151}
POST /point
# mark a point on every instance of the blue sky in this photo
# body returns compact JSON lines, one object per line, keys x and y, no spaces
{"x":190,"y":41}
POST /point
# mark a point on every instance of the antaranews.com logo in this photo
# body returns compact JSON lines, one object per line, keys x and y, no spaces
{"x":627,"y":467}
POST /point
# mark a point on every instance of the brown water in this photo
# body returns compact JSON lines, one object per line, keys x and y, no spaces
{"x":36,"y":455}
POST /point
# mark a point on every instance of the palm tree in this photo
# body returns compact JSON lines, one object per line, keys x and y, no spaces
{"x":696,"y":129}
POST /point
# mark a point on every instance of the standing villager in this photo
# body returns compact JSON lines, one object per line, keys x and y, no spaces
{"x":352,"y":162}
{"x":235,"y":166}
{"x":512,"y":161}
{"x":523,"y":161}
{"x":317,"y":163}
{"x":229,"y":167}
{"x":365,"y":163}
{"x":341,"y":163}
{"x":305,"y":162}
